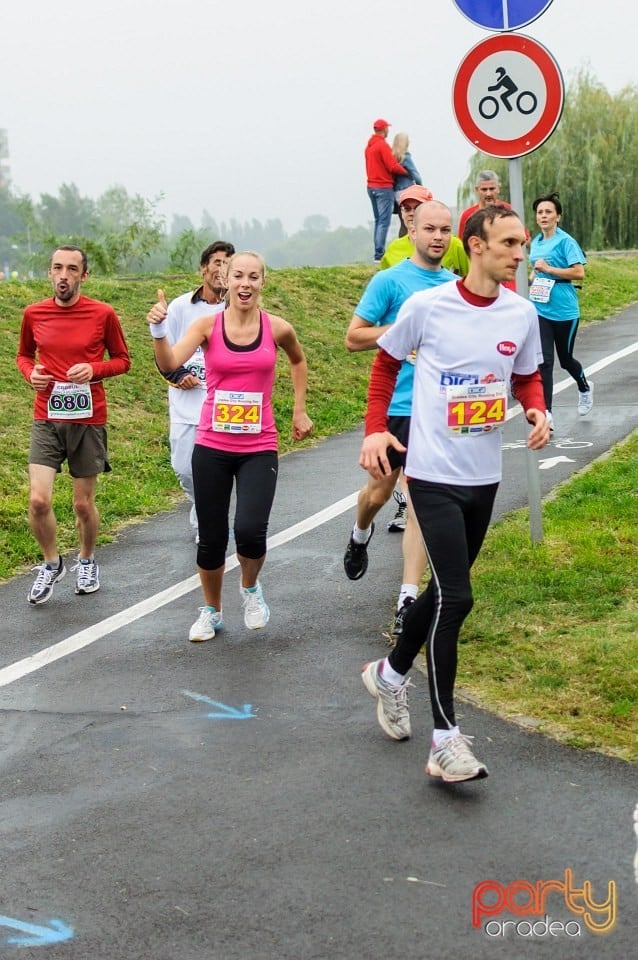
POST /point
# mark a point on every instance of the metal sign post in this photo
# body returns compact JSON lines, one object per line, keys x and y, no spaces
{"x":515,"y":169}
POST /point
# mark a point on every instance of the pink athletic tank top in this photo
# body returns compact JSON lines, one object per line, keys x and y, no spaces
{"x":237,"y":413}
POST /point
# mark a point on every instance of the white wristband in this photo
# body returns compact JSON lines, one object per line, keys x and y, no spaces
{"x":158,"y":330}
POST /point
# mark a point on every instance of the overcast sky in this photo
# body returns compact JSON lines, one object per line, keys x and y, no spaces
{"x":257,"y":108}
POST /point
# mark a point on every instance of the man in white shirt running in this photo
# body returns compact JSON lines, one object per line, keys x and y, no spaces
{"x":188,"y":383}
{"x":472,"y":338}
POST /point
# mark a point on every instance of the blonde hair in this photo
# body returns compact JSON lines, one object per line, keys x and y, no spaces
{"x":248,"y":253}
{"x":400,"y":146}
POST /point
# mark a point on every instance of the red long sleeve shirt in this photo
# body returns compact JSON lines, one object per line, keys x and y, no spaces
{"x":59,"y":337}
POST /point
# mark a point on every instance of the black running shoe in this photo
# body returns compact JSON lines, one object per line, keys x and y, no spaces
{"x":397,"y":629}
{"x":355,"y":561}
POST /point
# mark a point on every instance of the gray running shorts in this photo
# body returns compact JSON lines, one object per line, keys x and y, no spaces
{"x":82,"y":445}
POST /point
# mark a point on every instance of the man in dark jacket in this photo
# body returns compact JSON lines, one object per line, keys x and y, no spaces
{"x":381,"y":169}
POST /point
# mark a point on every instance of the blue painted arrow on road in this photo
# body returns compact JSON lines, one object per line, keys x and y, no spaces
{"x":222,"y":710}
{"x":38,"y":936}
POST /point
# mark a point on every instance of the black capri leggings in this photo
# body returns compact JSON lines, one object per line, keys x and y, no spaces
{"x":255,"y":476}
{"x":562,"y":334}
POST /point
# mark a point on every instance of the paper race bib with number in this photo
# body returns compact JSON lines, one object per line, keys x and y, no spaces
{"x":197,"y":370}
{"x":235,"y":412}
{"x":475,"y":409}
{"x":70,"y":401}
{"x":540,"y":289}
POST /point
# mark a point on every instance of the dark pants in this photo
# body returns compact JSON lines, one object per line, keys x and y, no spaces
{"x":453,"y":522}
{"x":255,"y":478}
{"x":560,"y":334}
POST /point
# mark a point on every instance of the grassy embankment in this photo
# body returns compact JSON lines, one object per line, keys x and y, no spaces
{"x":554,"y":636}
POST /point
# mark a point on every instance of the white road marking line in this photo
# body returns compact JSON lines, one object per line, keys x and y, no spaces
{"x":592,"y":368}
{"x":85,"y":637}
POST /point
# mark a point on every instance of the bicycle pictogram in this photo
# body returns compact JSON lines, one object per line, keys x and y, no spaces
{"x":561,"y":443}
{"x":489,"y":106}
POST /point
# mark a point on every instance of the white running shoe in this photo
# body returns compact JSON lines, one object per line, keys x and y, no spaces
{"x":397,"y":524}
{"x":453,"y":761}
{"x":256,"y":611}
{"x":88,"y":576}
{"x":392,"y":702}
{"x":586,"y":401}
{"x":550,"y":420}
{"x":206,"y":624}
{"x":42,"y":587}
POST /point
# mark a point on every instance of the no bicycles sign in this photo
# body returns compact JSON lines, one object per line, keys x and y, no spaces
{"x":508,"y":95}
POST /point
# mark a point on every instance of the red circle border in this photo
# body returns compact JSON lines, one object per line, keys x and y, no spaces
{"x":553,"y":107}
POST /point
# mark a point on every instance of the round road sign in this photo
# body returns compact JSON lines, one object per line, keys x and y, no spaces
{"x":508,"y":95}
{"x":502,"y":14}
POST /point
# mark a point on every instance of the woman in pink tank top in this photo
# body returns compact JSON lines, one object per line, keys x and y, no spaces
{"x":237,"y":437}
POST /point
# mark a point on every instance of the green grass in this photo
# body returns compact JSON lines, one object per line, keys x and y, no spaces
{"x":609,"y":285}
{"x":553,"y":633}
{"x":319,"y":302}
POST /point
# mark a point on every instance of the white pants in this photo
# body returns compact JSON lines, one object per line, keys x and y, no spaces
{"x":182,"y":439}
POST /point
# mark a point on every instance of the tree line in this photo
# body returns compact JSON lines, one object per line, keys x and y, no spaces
{"x":125,"y":234}
{"x":590,"y":160}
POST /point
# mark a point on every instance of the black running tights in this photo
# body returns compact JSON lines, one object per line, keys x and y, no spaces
{"x":255,"y":478}
{"x":561,"y":334}
{"x":453,"y":522}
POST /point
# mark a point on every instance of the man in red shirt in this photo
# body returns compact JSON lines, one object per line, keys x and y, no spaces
{"x":488,"y":187}
{"x":63,"y":341}
{"x":381,"y":169}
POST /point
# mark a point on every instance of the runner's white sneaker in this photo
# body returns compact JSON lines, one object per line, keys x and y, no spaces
{"x":42,"y":587}
{"x":256,"y":611}
{"x":397,"y":524}
{"x":88,"y":576}
{"x":586,"y":401}
{"x":208,"y":621}
{"x":453,"y":761}
{"x":392,"y":707}
{"x":550,"y":420}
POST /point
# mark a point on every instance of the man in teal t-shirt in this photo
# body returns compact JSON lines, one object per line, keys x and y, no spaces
{"x":382,"y":299}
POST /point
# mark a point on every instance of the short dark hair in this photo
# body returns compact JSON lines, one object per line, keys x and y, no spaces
{"x":215,"y":247}
{"x":549,"y":198}
{"x":73,"y":249}
{"x":475,"y":226}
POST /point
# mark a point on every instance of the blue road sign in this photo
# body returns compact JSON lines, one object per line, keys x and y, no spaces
{"x":502,"y":14}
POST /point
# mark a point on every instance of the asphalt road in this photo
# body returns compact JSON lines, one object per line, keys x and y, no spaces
{"x":235,"y":800}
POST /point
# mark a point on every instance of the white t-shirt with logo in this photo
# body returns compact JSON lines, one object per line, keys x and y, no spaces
{"x":185,"y":405}
{"x":465,"y":356}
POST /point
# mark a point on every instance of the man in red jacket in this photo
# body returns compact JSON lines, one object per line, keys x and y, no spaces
{"x":63,"y":342}
{"x":381,"y":169}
